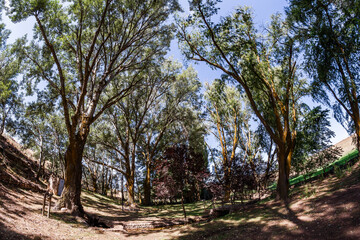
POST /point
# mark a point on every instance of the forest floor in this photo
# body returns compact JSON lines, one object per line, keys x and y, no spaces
{"x":323,"y":209}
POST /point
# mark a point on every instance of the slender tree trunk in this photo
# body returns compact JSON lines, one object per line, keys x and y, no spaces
{"x":357,"y":137}
{"x":182,"y":204}
{"x":70,"y":197}
{"x":94,"y":182}
{"x":198,"y":190}
{"x":41,"y":159}
{"x":103,"y":181}
{"x":109,"y":185}
{"x":122,"y":192}
{"x":86,"y":180}
{"x":147,"y":185}
{"x":2,"y":126}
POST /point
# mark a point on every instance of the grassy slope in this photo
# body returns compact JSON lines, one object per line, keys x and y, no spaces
{"x":324,"y":209}
{"x":342,"y":161}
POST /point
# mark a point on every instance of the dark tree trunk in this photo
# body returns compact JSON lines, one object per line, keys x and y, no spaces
{"x":357,"y":135}
{"x":227,"y":186}
{"x":86,"y":180}
{"x":70,"y":197}
{"x":40,"y":160}
{"x":284,"y":161}
{"x":94,"y":182}
{"x":147,"y":186}
{"x":2,"y":126}
{"x":182,"y":204}
{"x":122,"y":191}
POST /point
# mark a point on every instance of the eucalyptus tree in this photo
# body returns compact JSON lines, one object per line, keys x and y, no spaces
{"x":144,"y":116}
{"x":34,"y":131}
{"x":39,"y":128}
{"x":227,"y":117}
{"x":178,"y":170}
{"x":330,"y":34}
{"x":10,"y":97}
{"x":313,"y":141}
{"x":84,"y":49}
{"x":263,"y":66}
{"x":168,"y":119}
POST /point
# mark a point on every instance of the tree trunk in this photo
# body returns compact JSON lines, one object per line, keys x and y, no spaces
{"x":284,"y":161}
{"x":86,"y":180}
{"x":40,"y":160}
{"x":357,"y":137}
{"x":182,"y":204}
{"x":227,"y":187}
{"x":131,"y":190}
{"x":2,"y":126}
{"x":147,"y":186}
{"x":122,"y":192}
{"x":94,"y":182}
{"x":70,"y":197}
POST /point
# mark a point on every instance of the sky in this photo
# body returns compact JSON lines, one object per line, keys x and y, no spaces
{"x":262,"y":9}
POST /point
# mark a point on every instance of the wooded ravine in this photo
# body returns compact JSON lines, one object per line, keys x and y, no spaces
{"x":104,"y":136}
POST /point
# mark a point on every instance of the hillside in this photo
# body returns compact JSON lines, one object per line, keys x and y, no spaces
{"x":347,"y":145}
{"x":17,"y":166}
{"x":322,"y":209}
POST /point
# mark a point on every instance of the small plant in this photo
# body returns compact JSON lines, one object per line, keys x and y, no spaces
{"x":338,"y":171}
{"x":349,"y":168}
{"x":308,"y":191}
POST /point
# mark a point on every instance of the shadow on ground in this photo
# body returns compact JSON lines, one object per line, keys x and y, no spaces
{"x":335,"y":215}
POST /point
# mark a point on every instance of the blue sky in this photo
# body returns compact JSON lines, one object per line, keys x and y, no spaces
{"x":262,"y":9}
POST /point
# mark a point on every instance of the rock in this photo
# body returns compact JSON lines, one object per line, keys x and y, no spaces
{"x":219,"y":212}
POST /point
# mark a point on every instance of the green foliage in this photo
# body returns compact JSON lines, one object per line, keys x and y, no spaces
{"x":90,"y":52}
{"x":309,"y":191}
{"x":265,"y":67}
{"x":329,"y":31}
{"x":313,"y":136}
{"x":339,"y":172}
{"x":10,"y":97}
{"x":342,"y":161}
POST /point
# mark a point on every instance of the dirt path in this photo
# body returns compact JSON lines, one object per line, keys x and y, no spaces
{"x":20,"y":218}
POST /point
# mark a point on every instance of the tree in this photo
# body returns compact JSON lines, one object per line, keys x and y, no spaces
{"x":141,"y":120}
{"x":84,"y":49}
{"x":227,"y":118}
{"x":10,"y":98}
{"x":39,"y":128}
{"x":170,"y":120}
{"x":329,"y":31}
{"x":35,"y":133}
{"x":264,"y":67}
{"x":313,"y":141}
{"x":179,"y":169}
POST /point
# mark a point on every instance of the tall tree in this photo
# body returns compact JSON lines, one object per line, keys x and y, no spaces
{"x":313,"y":141}
{"x":227,"y":116}
{"x":10,"y":97}
{"x":330,"y":34}
{"x":86,"y":48}
{"x":264,"y":67}
{"x":140,"y":121}
{"x":171,"y":112}
{"x":179,"y":169}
